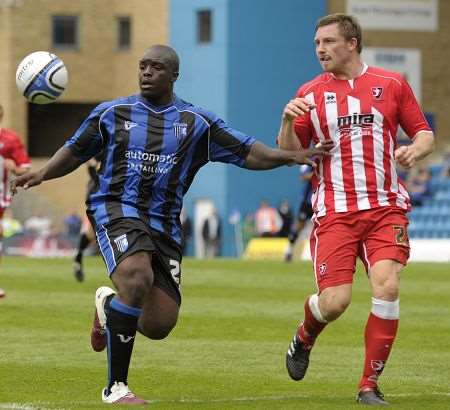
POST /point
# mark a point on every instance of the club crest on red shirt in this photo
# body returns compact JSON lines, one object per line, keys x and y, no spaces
{"x":322,"y":269}
{"x":377,"y":92}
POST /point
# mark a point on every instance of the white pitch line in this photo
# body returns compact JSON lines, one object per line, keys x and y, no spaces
{"x":281,"y":398}
{"x":26,"y":406}
{"x":38,"y":406}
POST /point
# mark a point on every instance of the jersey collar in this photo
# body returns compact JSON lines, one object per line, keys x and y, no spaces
{"x":363,"y":71}
{"x":157,"y":108}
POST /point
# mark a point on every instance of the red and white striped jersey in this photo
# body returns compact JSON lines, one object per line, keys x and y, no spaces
{"x":11,"y":147}
{"x":361,"y":116}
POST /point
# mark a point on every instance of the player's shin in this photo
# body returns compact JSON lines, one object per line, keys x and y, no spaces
{"x":121,"y":330}
{"x":313,"y":323}
{"x":380,"y":333}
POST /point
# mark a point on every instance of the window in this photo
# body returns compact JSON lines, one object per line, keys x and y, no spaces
{"x":123,"y":32}
{"x":50,"y":125}
{"x":204,"y":26}
{"x":65,"y":31}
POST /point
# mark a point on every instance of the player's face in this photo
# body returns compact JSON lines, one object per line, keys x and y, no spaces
{"x":332,"y":49}
{"x":156,"y":76}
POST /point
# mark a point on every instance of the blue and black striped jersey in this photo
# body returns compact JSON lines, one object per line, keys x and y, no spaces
{"x":150,"y":157}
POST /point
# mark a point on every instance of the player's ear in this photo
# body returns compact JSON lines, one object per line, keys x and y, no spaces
{"x":175,"y":75}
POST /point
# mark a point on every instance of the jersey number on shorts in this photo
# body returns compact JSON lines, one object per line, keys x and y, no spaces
{"x":401,"y":238}
{"x":175,"y":271}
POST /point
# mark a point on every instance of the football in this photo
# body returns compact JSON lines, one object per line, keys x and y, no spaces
{"x":41,"y":77}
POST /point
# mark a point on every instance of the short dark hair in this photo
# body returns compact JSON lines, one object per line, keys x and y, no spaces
{"x":171,"y":55}
{"x":348,"y":26}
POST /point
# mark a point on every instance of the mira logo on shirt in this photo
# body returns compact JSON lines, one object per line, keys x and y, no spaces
{"x":355,"y":119}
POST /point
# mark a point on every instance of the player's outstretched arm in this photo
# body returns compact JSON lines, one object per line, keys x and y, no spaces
{"x":62,"y":163}
{"x":262,"y":157}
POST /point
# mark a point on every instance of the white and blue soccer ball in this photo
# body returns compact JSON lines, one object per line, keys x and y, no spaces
{"x":41,"y":77}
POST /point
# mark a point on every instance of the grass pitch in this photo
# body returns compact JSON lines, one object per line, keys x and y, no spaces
{"x":227,"y":352}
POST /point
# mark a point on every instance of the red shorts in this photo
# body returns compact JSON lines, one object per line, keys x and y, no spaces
{"x":338,"y":238}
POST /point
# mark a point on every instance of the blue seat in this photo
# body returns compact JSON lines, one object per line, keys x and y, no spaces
{"x":435,"y":169}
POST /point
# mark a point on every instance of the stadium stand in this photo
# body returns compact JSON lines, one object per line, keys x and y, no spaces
{"x":432,"y":219}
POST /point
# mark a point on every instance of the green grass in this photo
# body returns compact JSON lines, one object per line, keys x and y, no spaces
{"x":227,"y":351}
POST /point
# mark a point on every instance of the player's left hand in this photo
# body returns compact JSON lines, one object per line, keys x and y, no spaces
{"x":26,"y":181}
{"x":405,"y":156}
{"x":307,"y":156}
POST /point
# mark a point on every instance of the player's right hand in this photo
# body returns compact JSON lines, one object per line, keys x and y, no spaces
{"x":297,"y":106}
{"x":307,"y":156}
{"x":26,"y":181}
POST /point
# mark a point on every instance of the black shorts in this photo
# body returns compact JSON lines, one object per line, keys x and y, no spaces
{"x":123,"y":237}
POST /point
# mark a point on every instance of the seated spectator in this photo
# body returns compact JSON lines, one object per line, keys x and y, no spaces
{"x":419,"y":186}
{"x":267,"y":220}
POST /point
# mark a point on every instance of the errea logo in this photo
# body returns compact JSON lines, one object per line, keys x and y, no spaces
{"x":130,"y":124}
{"x":330,"y":99}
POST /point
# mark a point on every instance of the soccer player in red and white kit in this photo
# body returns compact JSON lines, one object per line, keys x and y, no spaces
{"x":13,"y":159}
{"x":360,"y":203}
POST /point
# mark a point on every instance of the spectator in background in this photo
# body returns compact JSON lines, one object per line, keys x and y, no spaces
{"x":211,"y":234}
{"x":186,"y":228}
{"x":305,"y":210}
{"x":11,"y":226}
{"x":248,"y":229}
{"x":267,"y":220}
{"x":72,"y":223}
{"x":39,"y":225}
{"x":13,"y":160}
{"x":286,"y":218}
{"x":418,"y":185}
{"x":87,"y":235}
{"x":445,"y":173}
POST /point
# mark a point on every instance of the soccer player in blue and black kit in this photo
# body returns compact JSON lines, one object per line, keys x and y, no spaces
{"x":153,"y":144}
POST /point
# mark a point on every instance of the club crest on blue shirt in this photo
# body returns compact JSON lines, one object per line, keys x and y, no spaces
{"x":180,"y":130}
{"x":121,"y":243}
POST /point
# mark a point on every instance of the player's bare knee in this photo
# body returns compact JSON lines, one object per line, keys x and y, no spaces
{"x":133,"y":282}
{"x":156,"y":331}
{"x":160,"y":333}
{"x":385,"y":285}
{"x":334,"y":301}
{"x":386,"y":290}
{"x":335,"y":308}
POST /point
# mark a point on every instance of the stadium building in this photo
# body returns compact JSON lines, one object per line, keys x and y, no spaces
{"x":243,"y":59}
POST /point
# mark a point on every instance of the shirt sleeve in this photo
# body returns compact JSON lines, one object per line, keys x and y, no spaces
{"x":87,"y":141}
{"x":18,"y":152}
{"x":302,"y":126}
{"x":412,"y":119}
{"x":227,"y":144}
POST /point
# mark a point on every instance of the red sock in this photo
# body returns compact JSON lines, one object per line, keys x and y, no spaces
{"x":379,"y":338}
{"x":310,"y":328}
